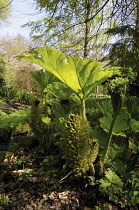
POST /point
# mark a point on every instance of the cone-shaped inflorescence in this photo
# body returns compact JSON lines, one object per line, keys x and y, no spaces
{"x":36,"y":118}
{"x":79,"y":151}
{"x":117,"y":90}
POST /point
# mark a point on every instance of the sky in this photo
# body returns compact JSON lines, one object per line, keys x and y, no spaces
{"x":22,"y":12}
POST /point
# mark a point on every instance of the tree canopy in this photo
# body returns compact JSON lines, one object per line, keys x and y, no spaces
{"x":70,"y":26}
{"x":14,"y":71}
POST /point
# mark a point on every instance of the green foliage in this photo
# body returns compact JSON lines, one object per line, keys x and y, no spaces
{"x":62,"y":103}
{"x":49,"y":166}
{"x":79,"y":151}
{"x":71,"y":28}
{"x":134,"y":125}
{"x":15,"y":123}
{"x":115,"y":159}
{"x":20,"y":96}
{"x":25,"y":128}
{"x":59,"y":109}
{"x":131,"y":197}
{"x":4,"y":201}
{"x":15,"y":119}
{"x":24,"y":97}
{"x":134,"y":147}
{"x":98,"y":133}
{"x":42,"y":78}
{"x":82,"y":141}
{"x":4,"y":92}
{"x":121,"y":124}
{"x":111,"y":185}
{"x":103,"y":105}
{"x":2,"y":113}
{"x":125,"y":52}
{"x":117,"y":165}
{"x":59,"y":90}
{"x":121,"y":52}
{"x":115,"y":151}
{"x":134,"y":193}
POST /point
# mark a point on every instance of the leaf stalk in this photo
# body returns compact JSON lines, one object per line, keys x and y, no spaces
{"x":105,"y":153}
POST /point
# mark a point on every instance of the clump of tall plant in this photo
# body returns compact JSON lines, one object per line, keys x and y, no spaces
{"x":81,"y":76}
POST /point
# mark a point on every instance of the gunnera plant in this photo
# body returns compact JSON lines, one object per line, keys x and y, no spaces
{"x":79,"y":151}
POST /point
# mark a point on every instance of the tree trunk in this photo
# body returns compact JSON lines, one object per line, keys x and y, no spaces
{"x":87,"y":29}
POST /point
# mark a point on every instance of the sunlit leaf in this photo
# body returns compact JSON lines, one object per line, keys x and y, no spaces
{"x":82,"y":76}
{"x":46,"y":120}
{"x":114,"y":179}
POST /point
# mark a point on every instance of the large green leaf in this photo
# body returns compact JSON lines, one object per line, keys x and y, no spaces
{"x":82,"y":76}
{"x":42,"y":78}
{"x":121,"y":124}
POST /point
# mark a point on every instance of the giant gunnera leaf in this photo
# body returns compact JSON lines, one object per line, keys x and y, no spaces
{"x":82,"y":76}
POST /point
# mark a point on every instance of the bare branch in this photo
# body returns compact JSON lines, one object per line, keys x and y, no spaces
{"x":99,"y":10}
{"x":66,"y":176}
{"x":6,"y":5}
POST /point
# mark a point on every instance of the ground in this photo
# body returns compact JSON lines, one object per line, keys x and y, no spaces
{"x":23,"y":186}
